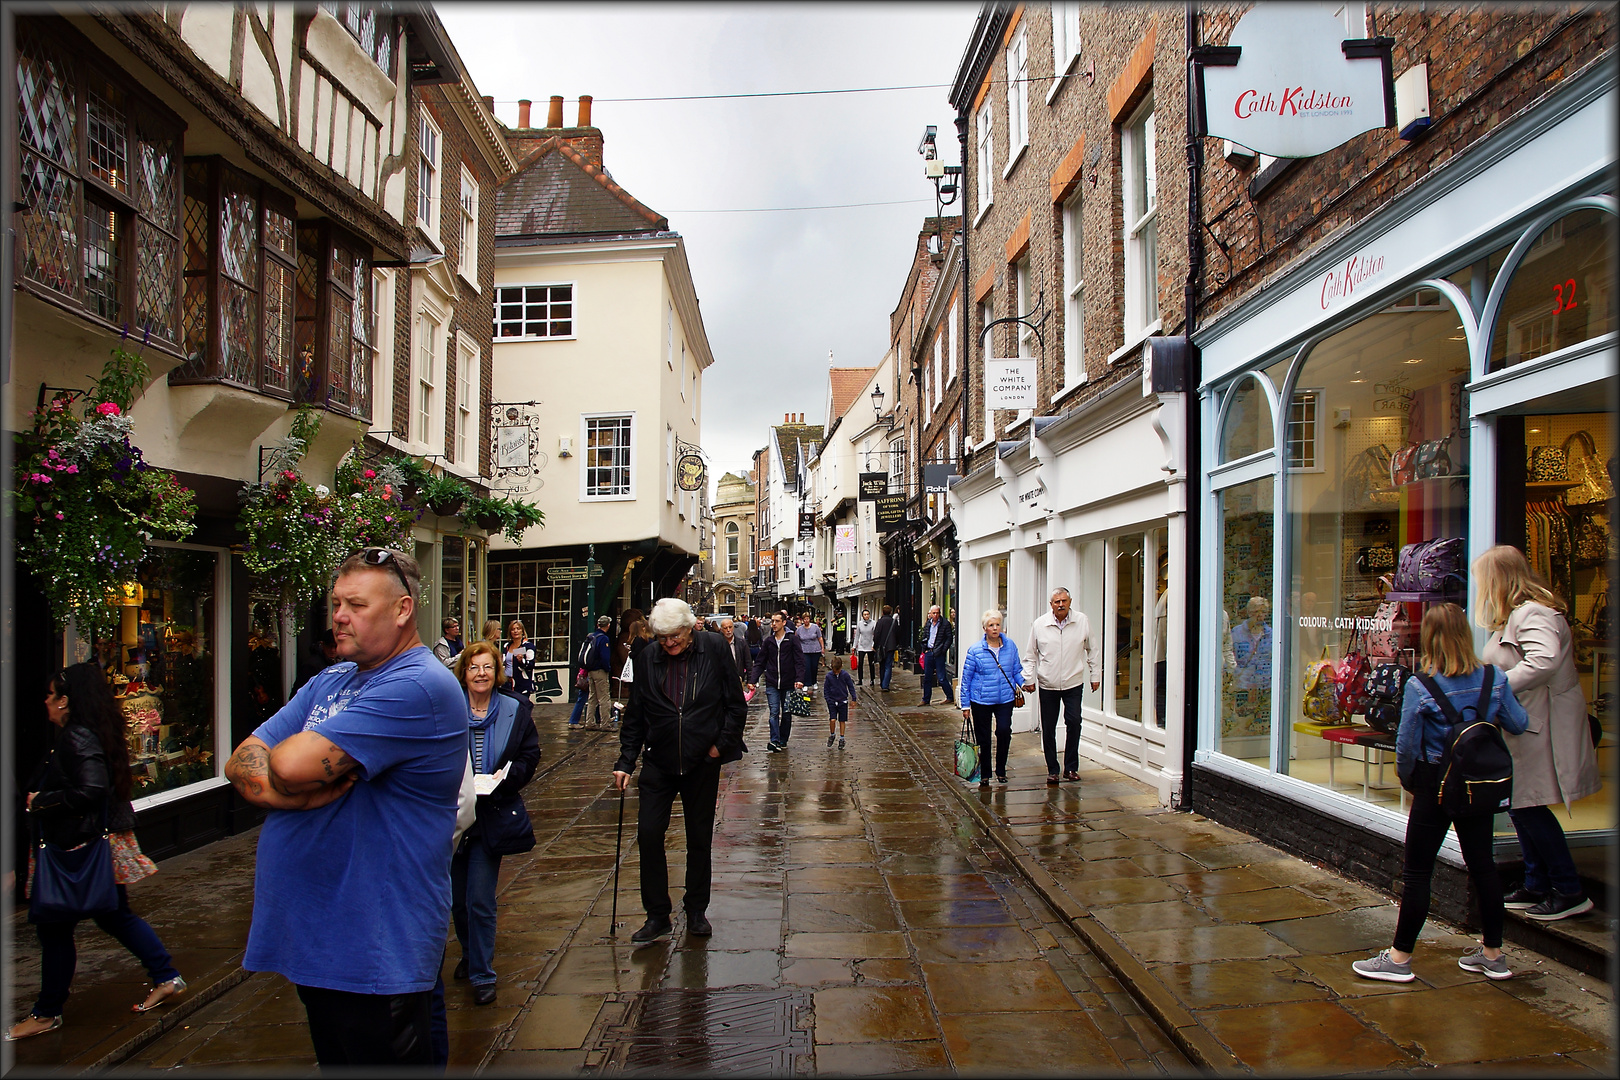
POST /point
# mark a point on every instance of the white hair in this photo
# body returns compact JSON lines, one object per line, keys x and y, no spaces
{"x":1059,"y":589}
{"x":670,"y":616}
{"x":990,"y":613}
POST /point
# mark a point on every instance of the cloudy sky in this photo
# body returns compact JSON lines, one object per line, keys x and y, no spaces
{"x":779,"y":290}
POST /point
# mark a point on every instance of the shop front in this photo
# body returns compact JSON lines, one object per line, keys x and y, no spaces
{"x":1434,"y":382}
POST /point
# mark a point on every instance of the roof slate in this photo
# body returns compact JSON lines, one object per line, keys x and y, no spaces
{"x":789,"y":437}
{"x":559,"y":190}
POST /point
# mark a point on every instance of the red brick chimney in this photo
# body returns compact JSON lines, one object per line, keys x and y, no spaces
{"x":523,"y":112}
{"x":554,"y":114}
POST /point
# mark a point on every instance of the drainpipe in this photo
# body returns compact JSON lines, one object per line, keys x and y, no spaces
{"x":965,"y":283}
{"x":1192,"y":448}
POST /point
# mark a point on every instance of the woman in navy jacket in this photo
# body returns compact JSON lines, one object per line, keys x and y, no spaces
{"x":500,"y":733}
{"x":989,"y":674}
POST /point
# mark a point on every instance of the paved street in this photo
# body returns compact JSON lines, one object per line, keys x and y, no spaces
{"x":874,"y":915}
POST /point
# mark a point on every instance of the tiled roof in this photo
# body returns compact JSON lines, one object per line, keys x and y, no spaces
{"x":847,"y":383}
{"x":789,"y":438}
{"x":559,"y":190}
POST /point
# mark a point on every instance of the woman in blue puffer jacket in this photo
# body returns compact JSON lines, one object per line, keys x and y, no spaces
{"x":989,"y":673}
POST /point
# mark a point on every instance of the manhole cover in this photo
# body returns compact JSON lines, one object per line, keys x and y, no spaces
{"x":756,"y":1032}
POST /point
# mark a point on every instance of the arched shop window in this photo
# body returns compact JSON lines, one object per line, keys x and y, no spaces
{"x":1561,"y":292}
{"x":1248,"y":427}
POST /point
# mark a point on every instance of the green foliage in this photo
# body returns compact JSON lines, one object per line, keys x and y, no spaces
{"x":86,"y":501}
{"x":442,"y":489}
{"x":508,"y":516}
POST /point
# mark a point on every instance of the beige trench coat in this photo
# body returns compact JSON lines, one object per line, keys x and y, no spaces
{"x":1553,"y":761}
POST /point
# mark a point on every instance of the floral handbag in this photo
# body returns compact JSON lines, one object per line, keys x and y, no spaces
{"x":1403,"y":465}
{"x":1321,"y":705}
{"x":1548,"y":465}
{"x":1392,"y":631}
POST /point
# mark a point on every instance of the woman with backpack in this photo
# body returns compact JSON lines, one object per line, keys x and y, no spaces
{"x":1554,"y":761}
{"x":1468,"y":690}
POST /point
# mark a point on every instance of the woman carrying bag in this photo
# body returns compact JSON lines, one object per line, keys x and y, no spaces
{"x":1447,"y":661}
{"x":1553,"y":761}
{"x":501,"y":735}
{"x":987,"y":690}
{"x":80,"y":794}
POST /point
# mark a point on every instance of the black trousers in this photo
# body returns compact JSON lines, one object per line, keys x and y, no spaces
{"x":868,"y":668}
{"x":1069,"y":701}
{"x":369,"y":1029}
{"x":1002,"y":715}
{"x":699,"y":791}
{"x":1425,"y":831}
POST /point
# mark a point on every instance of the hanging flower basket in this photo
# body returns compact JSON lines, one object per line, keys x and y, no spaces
{"x":490,"y":523}
{"x":448,"y":507}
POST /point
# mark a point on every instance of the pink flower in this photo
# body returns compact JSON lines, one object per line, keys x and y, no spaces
{"x":370,"y":474}
{"x":108,"y":408}
{"x":59,"y":515}
{"x":71,"y":469}
{"x":388,"y":491}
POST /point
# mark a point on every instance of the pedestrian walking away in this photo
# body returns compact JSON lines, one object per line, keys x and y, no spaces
{"x":361,"y":774}
{"x":686,"y":711}
{"x":780,"y":665}
{"x":838,"y":689}
{"x":1447,"y":659}
{"x":1059,"y":661}
{"x":885,"y":641}
{"x":80,"y":791}
{"x":505,"y":750}
{"x":865,"y":648}
{"x":811,"y":644}
{"x":598,"y":658}
{"x":987,"y":693}
{"x":936,"y":642}
{"x":1554,"y":761}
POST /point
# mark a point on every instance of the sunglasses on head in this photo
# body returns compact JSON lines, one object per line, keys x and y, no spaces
{"x":379,"y":557}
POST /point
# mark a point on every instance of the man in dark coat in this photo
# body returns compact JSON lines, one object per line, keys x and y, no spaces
{"x":780,"y":665}
{"x":687,"y":709}
{"x":937,"y":637}
{"x":886,"y":639}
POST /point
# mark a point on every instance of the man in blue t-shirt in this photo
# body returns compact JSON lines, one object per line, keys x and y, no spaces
{"x":360,"y":773}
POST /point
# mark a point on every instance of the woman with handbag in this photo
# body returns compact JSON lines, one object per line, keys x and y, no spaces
{"x":1447,"y":660}
{"x":1554,"y":761}
{"x":501,"y":735}
{"x":987,"y":691}
{"x":80,"y":796}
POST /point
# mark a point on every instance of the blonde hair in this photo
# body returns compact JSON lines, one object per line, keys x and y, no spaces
{"x":990,"y":613}
{"x":1503,"y":580}
{"x":1446,"y":642}
{"x":492,"y":630}
{"x":480,"y":648}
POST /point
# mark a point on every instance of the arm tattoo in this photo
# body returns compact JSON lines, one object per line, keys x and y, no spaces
{"x":248,"y":769}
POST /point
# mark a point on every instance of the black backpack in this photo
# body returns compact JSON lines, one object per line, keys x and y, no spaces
{"x":587,"y":651}
{"x":1385,"y":687}
{"x":1476,"y":769}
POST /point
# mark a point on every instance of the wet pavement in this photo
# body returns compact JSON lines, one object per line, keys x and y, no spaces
{"x":873,"y":914}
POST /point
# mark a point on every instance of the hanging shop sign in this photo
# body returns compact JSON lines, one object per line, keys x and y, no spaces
{"x":1009,"y":384}
{"x":689,"y":472}
{"x":873,"y":484}
{"x":1289,"y":84}
{"x":891,"y":511}
{"x":843,"y":539}
{"x":807,"y":525}
{"x":937,"y":476}
{"x":766,"y":560}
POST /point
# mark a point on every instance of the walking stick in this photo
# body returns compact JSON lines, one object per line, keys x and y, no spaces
{"x":618,"y":844}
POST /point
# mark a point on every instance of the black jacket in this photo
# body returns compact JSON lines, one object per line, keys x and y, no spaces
{"x":885,"y":635}
{"x":780,"y":664}
{"x":677,"y":735}
{"x":503,"y":824}
{"x":74,"y":786}
{"x":741,"y":655}
{"x":942,"y":641}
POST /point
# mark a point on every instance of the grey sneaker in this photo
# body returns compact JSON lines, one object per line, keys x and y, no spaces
{"x":840,"y":742}
{"x":1491,"y":969}
{"x":830,"y":739}
{"x":1382,"y":967}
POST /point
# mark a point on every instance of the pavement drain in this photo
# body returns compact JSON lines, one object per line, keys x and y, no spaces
{"x":663,"y":1032}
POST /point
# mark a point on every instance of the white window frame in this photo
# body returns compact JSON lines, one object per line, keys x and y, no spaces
{"x":429,"y":349}
{"x":1065,"y":42}
{"x":986,"y":124}
{"x":523,"y":302}
{"x":429,"y":177}
{"x":938,"y":385}
{"x":1139,"y":184}
{"x":692,"y":400}
{"x":467,"y":255}
{"x":669,"y":465}
{"x":950,"y":354}
{"x":1074,"y":294}
{"x":982,"y":309}
{"x":382,"y":378}
{"x":1017,"y":98}
{"x":585,"y":465}
{"x":1023,"y":297}
{"x":733,"y":547}
{"x":469,"y":391}
{"x":669,"y":336}
{"x":1314,"y":463}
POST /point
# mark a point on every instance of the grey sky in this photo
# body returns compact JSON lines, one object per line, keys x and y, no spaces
{"x":778,"y":290}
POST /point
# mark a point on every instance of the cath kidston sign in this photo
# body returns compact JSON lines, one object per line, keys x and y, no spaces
{"x":1291,"y":85}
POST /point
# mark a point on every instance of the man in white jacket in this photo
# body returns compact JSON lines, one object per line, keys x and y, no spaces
{"x":865,"y":646}
{"x":1060,"y":658}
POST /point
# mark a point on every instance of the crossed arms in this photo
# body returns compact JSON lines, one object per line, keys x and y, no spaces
{"x":302,"y":772}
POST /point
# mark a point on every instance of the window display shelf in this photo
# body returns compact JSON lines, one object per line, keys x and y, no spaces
{"x":1550,"y":485}
{"x":1418,"y":597}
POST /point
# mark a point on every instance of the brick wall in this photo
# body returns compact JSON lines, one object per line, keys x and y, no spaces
{"x":1487,"y":64}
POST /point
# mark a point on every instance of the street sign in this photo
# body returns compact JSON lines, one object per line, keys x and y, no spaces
{"x":936,"y":475}
{"x":891,"y":511}
{"x":873,"y":484}
{"x":807,"y":525}
{"x":1009,"y":384}
{"x":571,"y":573}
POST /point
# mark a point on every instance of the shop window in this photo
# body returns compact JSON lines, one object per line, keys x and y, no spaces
{"x":1001,"y":585}
{"x":459,"y":561}
{"x":265,"y":692}
{"x":1394,"y":384}
{"x":1562,"y":292}
{"x":98,"y":185}
{"x":1247,"y":521}
{"x":1161,"y":622}
{"x":1124,"y":644}
{"x":1247,"y":428}
{"x":524,"y":591}
{"x":162,"y":668}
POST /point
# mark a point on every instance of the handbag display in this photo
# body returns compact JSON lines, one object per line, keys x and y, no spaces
{"x":967,"y":753}
{"x":1366,"y":481}
{"x":1435,"y":459}
{"x":1375,"y":559}
{"x":1349,"y":680}
{"x":1431,"y":566}
{"x":1585,"y":470}
{"x":1018,"y":693}
{"x":1548,"y":465}
{"x":72,"y":883}
{"x":1403,"y":465}
{"x":1392,"y":633}
{"x":1385,"y":688}
{"x":1321,"y":704}
{"x":1593,"y":539}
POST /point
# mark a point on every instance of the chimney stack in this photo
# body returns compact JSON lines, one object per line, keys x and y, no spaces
{"x":523,"y":112}
{"x":554,"y":116}
{"x":489,"y":103}
{"x":584,"y":110}
{"x":787,"y":418}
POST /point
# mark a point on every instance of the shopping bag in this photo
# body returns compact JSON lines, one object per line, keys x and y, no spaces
{"x":967,"y":754}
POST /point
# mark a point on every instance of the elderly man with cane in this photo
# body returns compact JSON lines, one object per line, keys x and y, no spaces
{"x":687,"y":709}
